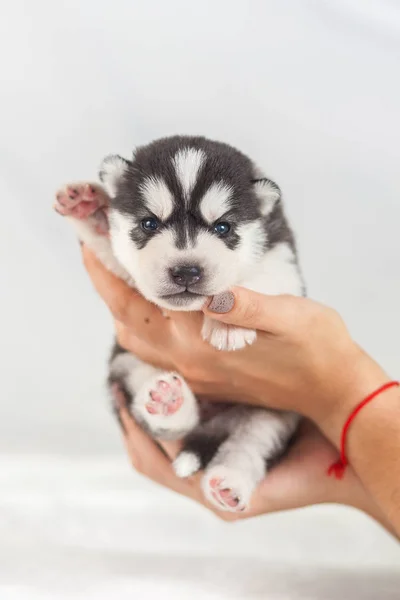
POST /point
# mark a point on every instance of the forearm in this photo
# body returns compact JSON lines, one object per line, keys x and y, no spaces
{"x":373,"y":440}
{"x":374,"y":451}
{"x":351,"y":492}
{"x":369,"y":507}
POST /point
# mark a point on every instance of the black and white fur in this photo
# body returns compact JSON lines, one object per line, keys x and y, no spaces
{"x":189,"y":185}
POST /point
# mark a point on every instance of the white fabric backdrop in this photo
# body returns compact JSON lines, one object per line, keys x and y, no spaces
{"x":311,"y":90}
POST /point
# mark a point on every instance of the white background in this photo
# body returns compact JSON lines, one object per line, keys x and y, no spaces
{"x":309,"y":89}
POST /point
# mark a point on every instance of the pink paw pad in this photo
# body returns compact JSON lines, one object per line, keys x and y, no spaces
{"x":82,"y":201}
{"x":224,"y":496}
{"x":166,"y":399}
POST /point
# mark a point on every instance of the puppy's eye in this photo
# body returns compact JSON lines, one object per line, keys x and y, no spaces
{"x":222,"y":228}
{"x":150,"y":224}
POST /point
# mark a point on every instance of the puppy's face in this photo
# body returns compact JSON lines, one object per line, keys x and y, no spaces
{"x":187,"y":219}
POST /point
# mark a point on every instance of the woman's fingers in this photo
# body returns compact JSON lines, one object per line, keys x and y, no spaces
{"x":171,"y":449}
{"x":126,"y":304}
{"x":138,"y":440}
{"x":144,"y":347}
{"x":273,"y":314}
{"x":146,"y":457}
{"x":185,"y":324}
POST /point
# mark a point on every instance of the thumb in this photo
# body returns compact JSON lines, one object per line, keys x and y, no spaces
{"x":245,"y":308}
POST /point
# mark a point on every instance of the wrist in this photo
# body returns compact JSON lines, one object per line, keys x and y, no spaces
{"x":370,"y":440}
{"x":364,"y":502}
{"x":352,"y":493}
{"x":356,"y":378}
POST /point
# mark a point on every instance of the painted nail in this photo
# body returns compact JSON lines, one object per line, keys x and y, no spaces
{"x":222,"y":303}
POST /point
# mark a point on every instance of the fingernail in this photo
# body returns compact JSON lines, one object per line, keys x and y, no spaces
{"x":222,"y":303}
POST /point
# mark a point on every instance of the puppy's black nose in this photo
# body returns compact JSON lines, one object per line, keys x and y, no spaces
{"x":186,"y":275}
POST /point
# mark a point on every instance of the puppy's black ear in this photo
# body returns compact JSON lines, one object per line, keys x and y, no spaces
{"x":268,"y":193}
{"x":112,"y":169}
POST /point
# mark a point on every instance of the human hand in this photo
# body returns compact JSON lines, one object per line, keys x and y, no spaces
{"x":304,"y":358}
{"x":297,"y":481}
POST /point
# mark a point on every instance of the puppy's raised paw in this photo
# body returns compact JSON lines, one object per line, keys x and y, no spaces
{"x":85,"y":202}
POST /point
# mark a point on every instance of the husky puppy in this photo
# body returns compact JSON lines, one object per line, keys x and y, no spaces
{"x":187,"y":218}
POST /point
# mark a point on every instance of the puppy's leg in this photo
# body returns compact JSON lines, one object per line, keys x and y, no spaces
{"x":85,"y":206}
{"x":201,"y":445}
{"x":160,"y":401}
{"x":277,"y":273}
{"x":226,"y":337}
{"x":259,"y":437}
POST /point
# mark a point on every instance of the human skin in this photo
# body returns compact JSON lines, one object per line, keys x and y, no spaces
{"x":304,"y":360}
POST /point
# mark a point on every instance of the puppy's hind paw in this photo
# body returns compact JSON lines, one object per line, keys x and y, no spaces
{"x":227,"y":489}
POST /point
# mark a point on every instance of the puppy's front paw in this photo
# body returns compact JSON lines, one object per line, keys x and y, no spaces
{"x":86,"y":202}
{"x":227,"y":337}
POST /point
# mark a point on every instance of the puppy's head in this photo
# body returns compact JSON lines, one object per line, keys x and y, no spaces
{"x":188,"y":218}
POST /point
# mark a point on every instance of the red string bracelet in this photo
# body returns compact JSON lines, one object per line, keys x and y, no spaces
{"x":339,"y":467}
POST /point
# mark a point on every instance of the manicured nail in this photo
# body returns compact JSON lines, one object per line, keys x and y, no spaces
{"x":222,"y":303}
